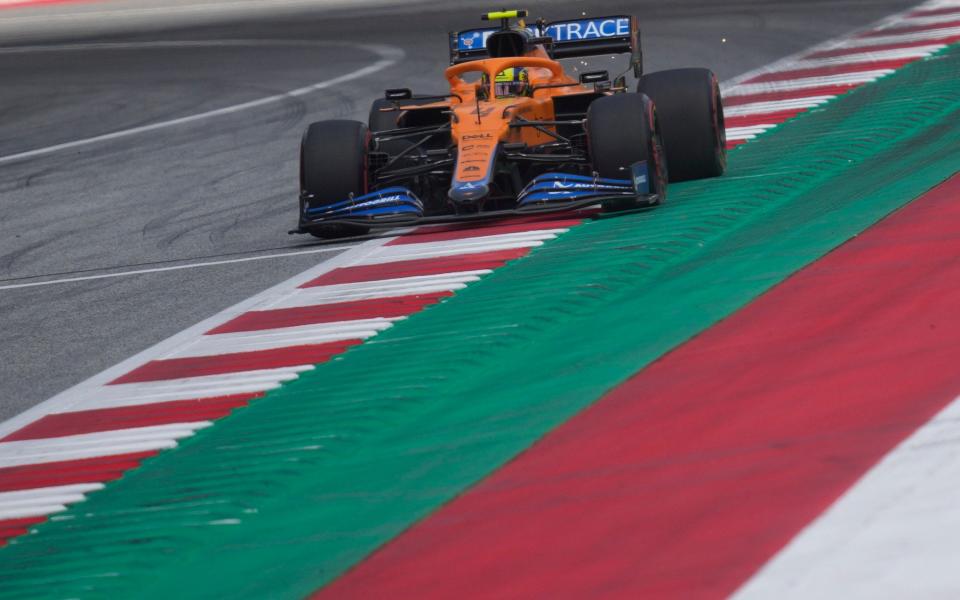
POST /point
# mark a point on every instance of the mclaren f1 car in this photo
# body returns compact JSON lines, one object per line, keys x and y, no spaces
{"x":515,"y":134}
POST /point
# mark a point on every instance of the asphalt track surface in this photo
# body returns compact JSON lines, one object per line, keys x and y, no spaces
{"x":222,"y":188}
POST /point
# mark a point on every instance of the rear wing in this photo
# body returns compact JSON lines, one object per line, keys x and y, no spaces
{"x":618,"y":34}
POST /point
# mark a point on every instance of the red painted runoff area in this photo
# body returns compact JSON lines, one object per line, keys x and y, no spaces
{"x":687,"y":478}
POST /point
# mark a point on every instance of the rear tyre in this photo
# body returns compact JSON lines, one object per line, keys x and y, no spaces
{"x":623,"y":129}
{"x":691,"y":116}
{"x":333,"y":165}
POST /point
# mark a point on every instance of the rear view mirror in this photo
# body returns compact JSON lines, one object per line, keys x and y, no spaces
{"x":594,"y":77}
{"x":398,"y":94}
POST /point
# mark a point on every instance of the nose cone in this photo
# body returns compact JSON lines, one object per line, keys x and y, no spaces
{"x":469,"y":192}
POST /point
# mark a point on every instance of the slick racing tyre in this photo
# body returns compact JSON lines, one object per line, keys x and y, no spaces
{"x":691,"y":118}
{"x":333,"y":165}
{"x":623,"y":129}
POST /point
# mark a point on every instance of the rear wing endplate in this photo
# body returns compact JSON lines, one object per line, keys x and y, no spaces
{"x":618,"y":34}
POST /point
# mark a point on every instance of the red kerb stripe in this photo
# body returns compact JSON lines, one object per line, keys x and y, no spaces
{"x":197,"y":366}
{"x":11,"y":528}
{"x":86,"y":470}
{"x":127,"y":417}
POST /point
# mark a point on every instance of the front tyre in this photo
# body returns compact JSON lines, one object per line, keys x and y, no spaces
{"x":623,"y":129}
{"x":691,"y":116}
{"x":333,"y":165}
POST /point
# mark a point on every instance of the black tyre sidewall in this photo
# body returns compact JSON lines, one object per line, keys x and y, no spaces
{"x":691,"y":119}
{"x":333,"y":160}
{"x":619,"y":128}
{"x":333,"y":165}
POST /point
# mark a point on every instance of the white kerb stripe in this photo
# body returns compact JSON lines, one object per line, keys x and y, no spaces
{"x":222,"y":344}
{"x":283,"y":301}
{"x":89,"y":445}
{"x":746,"y":133}
{"x":864,"y":57}
{"x":746,"y":89}
{"x":50,"y":492}
{"x":773,"y":106}
{"x":189,"y":388}
{"x":423,"y":251}
{"x":909,"y":21}
{"x":26,"y":512}
{"x":324,"y":295}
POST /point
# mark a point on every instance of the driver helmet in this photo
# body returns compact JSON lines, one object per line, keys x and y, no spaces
{"x":510,"y":83}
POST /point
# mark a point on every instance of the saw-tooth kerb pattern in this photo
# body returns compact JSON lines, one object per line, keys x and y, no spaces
{"x":98,"y":430}
{"x":54,"y":454}
{"x":762,"y":99}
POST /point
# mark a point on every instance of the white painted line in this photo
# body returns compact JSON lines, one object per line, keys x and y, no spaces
{"x":389,"y":56}
{"x":212,"y":263}
{"x":892,"y":535}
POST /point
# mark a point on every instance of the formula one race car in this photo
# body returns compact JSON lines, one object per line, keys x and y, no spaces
{"x":516,"y":134}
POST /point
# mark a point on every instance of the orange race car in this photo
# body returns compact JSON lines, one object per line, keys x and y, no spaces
{"x":516,"y":133}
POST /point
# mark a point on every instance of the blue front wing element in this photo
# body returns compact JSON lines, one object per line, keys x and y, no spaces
{"x":563,"y":188}
{"x":381,"y":204}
